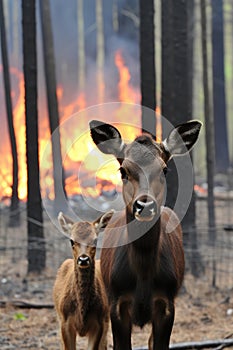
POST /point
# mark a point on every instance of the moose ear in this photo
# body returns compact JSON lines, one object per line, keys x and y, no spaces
{"x":103,"y":220}
{"x":65,"y":223}
{"x":107,"y":138}
{"x":182,"y":138}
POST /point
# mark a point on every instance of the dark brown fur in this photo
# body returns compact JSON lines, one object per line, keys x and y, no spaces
{"x":144,"y":270}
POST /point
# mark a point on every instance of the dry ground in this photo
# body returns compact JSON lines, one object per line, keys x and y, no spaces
{"x":201,"y":314}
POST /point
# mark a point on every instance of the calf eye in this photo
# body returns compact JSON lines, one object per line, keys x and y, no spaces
{"x":124,"y":175}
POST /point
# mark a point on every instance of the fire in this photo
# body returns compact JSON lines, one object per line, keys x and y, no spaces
{"x":126,"y":92}
{"x":159,"y":132}
{"x":80,"y":157}
{"x":6,"y":162}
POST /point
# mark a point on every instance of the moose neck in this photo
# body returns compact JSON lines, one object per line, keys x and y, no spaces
{"x":142,"y":254}
{"x":143,"y":235}
{"x":144,"y":238}
{"x":84,"y":286}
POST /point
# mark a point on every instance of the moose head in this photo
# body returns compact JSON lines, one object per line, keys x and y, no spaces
{"x":143,"y":163}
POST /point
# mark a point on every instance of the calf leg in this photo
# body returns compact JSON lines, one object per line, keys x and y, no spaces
{"x":163,"y":319}
{"x":121,"y":327}
{"x":68,"y":334}
{"x":103,"y":340}
{"x":97,"y":336}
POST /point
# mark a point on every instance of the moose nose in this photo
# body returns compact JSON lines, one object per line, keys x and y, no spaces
{"x":83,"y":260}
{"x":144,"y":208}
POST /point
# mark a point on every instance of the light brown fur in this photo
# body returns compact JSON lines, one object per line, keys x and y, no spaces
{"x":79,"y":293}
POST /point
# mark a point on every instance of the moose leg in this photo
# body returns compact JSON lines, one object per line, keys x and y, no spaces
{"x":121,"y":327}
{"x":68,"y":334}
{"x":163,"y":319}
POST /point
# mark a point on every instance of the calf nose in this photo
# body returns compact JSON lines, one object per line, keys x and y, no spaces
{"x":83,"y":260}
{"x":145,"y":207}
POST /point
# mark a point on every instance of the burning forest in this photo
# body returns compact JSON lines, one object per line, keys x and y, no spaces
{"x":75,"y":140}
{"x":156,"y":66}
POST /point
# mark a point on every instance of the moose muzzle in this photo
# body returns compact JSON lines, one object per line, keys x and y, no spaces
{"x":145,"y":208}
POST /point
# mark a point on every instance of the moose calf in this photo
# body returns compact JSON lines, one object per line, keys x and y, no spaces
{"x":79,"y":294}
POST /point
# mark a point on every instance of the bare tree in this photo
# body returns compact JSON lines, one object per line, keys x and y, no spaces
{"x":100,"y":50}
{"x":14,"y":207}
{"x":219,"y":96}
{"x":209,"y":128}
{"x":50,"y":77}
{"x":147,"y":60}
{"x":177,"y":74}
{"x":36,"y":243}
{"x":81,"y":46}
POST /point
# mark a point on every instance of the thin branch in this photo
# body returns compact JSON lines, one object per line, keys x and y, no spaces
{"x":24,"y":304}
{"x":199,"y":344}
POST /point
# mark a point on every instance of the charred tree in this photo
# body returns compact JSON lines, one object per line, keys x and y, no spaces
{"x":219,"y":97}
{"x":81,"y":46}
{"x":177,"y":74}
{"x":176,"y":87}
{"x":147,"y":65}
{"x":14,"y":207}
{"x":36,"y":243}
{"x":100,"y":51}
{"x":50,"y":77}
{"x":176,"y":67}
{"x":167,"y":60}
{"x":209,"y":135}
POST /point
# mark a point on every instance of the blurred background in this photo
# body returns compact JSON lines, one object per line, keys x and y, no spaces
{"x":60,"y":58}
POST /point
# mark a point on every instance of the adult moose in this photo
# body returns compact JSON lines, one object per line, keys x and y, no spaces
{"x":142,"y":278}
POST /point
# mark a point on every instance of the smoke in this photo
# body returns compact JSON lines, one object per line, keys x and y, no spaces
{"x":125,"y":39}
{"x":122,"y":37}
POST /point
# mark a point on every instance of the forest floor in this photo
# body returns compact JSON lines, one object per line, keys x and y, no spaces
{"x":202,"y":312}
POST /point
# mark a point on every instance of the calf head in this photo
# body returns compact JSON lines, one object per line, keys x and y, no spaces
{"x":83,"y":237}
{"x":143,"y":163}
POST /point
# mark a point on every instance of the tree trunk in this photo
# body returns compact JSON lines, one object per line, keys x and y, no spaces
{"x":209,"y":133}
{"x":14,"y":207}
{"x":50,"y":77}
{"x":147,"y":61}
{"x":115,"y":14}
{"x":36,"y":243}
{"x":16,"y":50}
{"x":219,"y":98}
{"x":176,"y":94}
{"x":177,"y":74}
{"x":81,"y":47}
{"x":100,"y":51}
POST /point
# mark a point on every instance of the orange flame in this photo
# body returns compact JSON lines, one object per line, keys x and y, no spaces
{"x":6,"y":162}
{"x":126,"y":92}
{"x":82,"y":158}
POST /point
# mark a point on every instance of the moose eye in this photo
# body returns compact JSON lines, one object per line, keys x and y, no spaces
{"x":124,"y":175}
{"x":72,"y":242}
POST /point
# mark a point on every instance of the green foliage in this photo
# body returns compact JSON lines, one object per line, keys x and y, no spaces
{"x":19,"y":316}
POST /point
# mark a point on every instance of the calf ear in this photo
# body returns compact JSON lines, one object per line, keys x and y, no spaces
{"x":66,"y":223}
{"x":182,"y":138}
{"x":103,"y":220}
{"x":107,"y":138}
